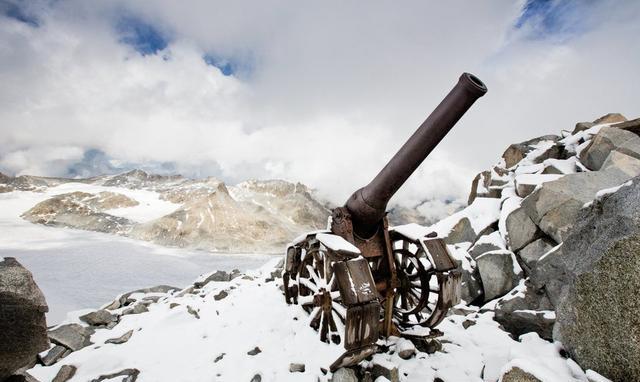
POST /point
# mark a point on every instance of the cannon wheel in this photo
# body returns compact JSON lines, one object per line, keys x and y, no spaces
{"x":416,"y":298}
{"x":315,"y":288}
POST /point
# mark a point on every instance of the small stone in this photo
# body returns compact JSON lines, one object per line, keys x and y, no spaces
{"x":220,"y":296}
{"x":218,"y":276}
{"x":193,"y":312}
{"x":120,"y":340}
{"x":467,"y":323}
{"x":256,"y":378}
{"x":98,"y":318}
{"x":296,"y":367}
{"x":219,"y":358}
{"x":137,"y":309}
{"x":65,"y":373}
{"x":387,"y":370}
{"x":405,"y":348}
{"x":173,"y":305}
{"x":131,"y":375}
{"x":428,"y":345}
{"x":53,"y":355}
{"x":344,"y":375}
{"x":254,"y":351}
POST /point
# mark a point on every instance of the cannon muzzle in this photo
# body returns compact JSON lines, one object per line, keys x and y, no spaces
{"x":368,"y":205}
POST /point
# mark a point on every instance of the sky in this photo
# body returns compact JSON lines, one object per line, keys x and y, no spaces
{"x":318,"y":92}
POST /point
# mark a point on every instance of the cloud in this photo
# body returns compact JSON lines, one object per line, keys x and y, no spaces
{"x":322,"y":93}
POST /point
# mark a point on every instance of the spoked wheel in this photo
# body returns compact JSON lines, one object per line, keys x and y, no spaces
{"x":318,"y":293}
{"x":416,"y":298}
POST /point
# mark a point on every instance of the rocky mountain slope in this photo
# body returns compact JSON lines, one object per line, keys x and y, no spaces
{"x":253,"y":216}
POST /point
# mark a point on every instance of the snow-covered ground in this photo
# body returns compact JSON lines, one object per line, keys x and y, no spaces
{"x":196,"y":337}
{"x":82,"y":269}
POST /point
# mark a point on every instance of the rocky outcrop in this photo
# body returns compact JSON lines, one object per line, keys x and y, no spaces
{"x":526,"y":309}
{"x":82,"y":210}
{"x":23,"y":327}
{"x":608,"y":140}
{"x":598,"y":303}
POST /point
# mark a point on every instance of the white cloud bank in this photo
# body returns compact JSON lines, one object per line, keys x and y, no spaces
{"x":331,"y":91}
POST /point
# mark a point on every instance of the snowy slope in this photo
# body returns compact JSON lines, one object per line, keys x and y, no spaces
{"x":172,"y":344}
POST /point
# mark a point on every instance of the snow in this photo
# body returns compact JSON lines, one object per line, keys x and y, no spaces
{"x":509,"y":204}
{"x":595,"y":377}
{"x":565,"y":166}
{"x":412,"y":231}
{"x":173,"y":345}
{"x":337,"y":243}
{"x":493,"y":238}
{"x":536,"y":179}
{"x":481,"y":213}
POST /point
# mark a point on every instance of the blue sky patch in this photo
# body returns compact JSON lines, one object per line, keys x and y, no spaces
{"x":17,"y":11}
{"x":554,"y":18}
{"x":227,"y":67}
{"x":143,"y":37}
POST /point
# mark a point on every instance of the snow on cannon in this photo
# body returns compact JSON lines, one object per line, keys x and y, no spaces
{"x":359,"y":279}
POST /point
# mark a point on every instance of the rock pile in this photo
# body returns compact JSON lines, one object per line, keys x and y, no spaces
{"x":558,"y":257}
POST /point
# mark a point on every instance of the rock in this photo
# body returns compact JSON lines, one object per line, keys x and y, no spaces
{"x":481,"y":187}
{"x":126,"y":299}
{"x":54,"y":354}
{"x":296,"y":367}
{"x":517,"y":151}
{"x":137,"y":309}
{"x":256,"y":350}
{"x":99,"y":318}
{"x":428,"y":345}
{"x":610,"y":118}
{"x":72,"y":336}
{"x":526,"y":309}
{"x":217,"y":276}
{"x":597,"y":314}
{"x":120,"y":340}
{"x":546,"y":276}
{"x":632,"y":126}
{"x":521,"y":230}
{"x":21,"y":376}
{"x":173,"y":305}
{"x":607,"y":140}
{"x":471,"y":287}
{"x":405,"y":348}
{"x":530,"y":254}
{"x":384,"y":369}
{"x":130,"y":375}
{"x":555,"y":206}
{"x":581,"y":126}
{"x":219,"y":357}
{"x":23,"y":327}
{"x":65,"y":373}
{"x":527,"y":183}
{"x":462,"y":231}
{"x":344,"y":375}
{"x":220,"y":296}
{"x":617,"y":161}
{"x":499,"y":272}
{"x":256,"y":378}
{"x":516,"y":374}
{"x":487,"y":243}
{"x":193,"y":312}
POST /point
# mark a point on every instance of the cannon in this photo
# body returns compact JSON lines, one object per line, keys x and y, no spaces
{"x":360,"y":279}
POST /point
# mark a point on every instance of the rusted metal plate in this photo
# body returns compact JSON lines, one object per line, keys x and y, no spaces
{"x":355,"y":281}
{"x":437,"y":248}
{"x":362,"y":325}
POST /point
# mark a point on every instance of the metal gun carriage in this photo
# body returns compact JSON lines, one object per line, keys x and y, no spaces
{"x":360,"y":279}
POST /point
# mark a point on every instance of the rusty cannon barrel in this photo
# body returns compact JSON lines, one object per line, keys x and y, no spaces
{"x":368,"y":205}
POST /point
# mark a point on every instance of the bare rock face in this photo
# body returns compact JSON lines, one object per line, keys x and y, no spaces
{"x":517,"y":151}
{"x":499,"y":271}
{"x":632,"y":126}
{"x":555,"y":206}
{"x":597,"y":309}
{"x":607,"y":140}
{"x":23,"y":327}
{"x":529,"y":255}
{"x":520,"y":229}
{"x":610,"y":118}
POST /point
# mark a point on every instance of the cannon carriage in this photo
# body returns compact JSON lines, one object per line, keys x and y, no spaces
{"x":359,"y":279}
